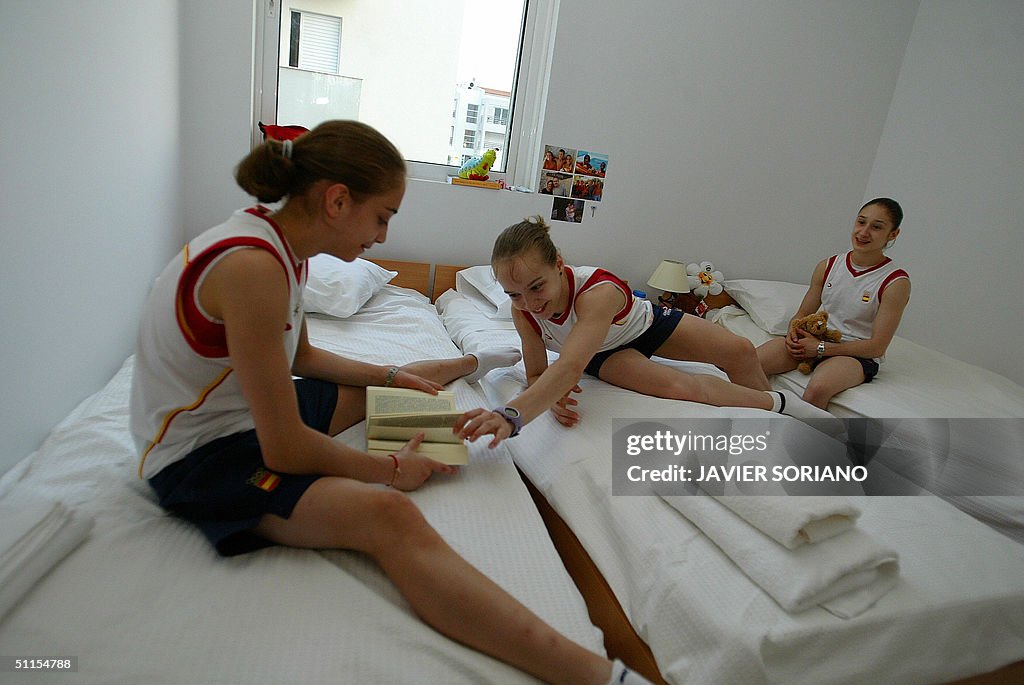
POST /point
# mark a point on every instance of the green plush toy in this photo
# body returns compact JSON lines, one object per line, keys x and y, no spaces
{"x":478,"y":168}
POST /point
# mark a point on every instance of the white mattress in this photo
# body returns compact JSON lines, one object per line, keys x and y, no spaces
{"x":957,"y":610}
{"x":914,"y":381}
{"x":918,"y":382}
{"x":145,"y":599}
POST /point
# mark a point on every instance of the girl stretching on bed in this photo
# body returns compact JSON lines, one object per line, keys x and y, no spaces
{"x":231,"y":443}
{"x":864,"y":293}
{"x":591,"y":318}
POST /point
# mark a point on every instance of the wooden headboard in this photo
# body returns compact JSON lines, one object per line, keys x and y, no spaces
{"x":444,"y":278}
{"x":419,"y":276}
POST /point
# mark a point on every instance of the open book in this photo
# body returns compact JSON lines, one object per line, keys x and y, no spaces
{"x":395,"y":415}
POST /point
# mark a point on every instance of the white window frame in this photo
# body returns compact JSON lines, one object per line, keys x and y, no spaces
{"x":526,"y":115}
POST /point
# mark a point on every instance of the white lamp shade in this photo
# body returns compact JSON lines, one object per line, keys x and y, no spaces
{"x":670,"y":276}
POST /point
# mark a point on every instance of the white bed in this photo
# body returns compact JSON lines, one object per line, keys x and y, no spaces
{"x":143,"y":598}
{"x":915,"y":382}
{"x":956,"y":611}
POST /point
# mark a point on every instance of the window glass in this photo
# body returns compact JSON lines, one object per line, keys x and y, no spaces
{"x":438,"y":77}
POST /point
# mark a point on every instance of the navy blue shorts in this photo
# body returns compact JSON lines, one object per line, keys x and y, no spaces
{"x":647,"y":343}
{"x":224,"y":487}
{"x":870,"y":367}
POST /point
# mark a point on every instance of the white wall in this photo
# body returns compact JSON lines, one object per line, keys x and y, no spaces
{"x":89,"y":104}
{"x":735,"y":131}
{"x":739,"y":132}
{"x":953,"y":152}
{"x":216,"y":105}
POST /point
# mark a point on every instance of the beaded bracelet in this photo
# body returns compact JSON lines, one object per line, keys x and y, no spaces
{"x":390,"y":378}
{"x":398,"y":472}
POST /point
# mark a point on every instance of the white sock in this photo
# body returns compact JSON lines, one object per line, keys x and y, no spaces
{"x":791,"y":404}
{"x":621,"y":675}
{"x":493,"y":358}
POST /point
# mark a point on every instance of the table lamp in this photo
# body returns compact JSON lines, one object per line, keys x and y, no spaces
{"x":670,"y":277}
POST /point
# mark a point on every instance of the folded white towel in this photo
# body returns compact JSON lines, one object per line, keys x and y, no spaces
{"x":35,"y":536}
{"x":845,"y":574}
{"x":794,"y":521}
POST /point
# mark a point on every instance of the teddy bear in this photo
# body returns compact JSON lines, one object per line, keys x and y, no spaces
{"x":817,"y":325}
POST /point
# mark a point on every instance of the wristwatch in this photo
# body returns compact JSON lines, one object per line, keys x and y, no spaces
{"x":512,"y":415}
{"x":821,"y":349}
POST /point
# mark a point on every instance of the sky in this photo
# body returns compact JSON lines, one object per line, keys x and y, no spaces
{"x":491,"y":29}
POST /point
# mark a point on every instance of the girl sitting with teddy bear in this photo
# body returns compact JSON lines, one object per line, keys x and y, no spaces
{"x":864,"y":293}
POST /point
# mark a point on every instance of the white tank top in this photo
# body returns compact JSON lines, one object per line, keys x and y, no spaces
{"x":184,"y":393}
{"x":851,"y":296}
{"x":631,"y":321}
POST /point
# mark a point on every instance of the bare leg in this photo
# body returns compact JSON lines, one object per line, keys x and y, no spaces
{"x":444,"y":590}
{"x":831,"y":377}
{"x":632,"y":370}
{"x":350,"y":409}
{"x":443,"y":371}
{"x":696,"y":339}
{"x":472,"y":367}
{"x":774,"y":358}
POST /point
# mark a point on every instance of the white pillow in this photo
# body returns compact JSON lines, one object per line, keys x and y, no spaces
{"x":478,"y":284}
{"x":340,"y":288}
{"x":770,"y":304}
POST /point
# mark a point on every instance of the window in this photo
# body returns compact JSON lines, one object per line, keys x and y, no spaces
{"x":314,"y":42}
{"x":478,"y":77}
{"x":499,"y":116}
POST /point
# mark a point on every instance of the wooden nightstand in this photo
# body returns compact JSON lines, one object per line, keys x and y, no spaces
{"x":687,"y":302}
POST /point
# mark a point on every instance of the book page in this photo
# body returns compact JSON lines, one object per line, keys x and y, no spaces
{"x":401,"y":413}
{"x":405,"y":433}
{"x":404,"y":401}
{"x":447,"y":453}
{"x":440,"y":420}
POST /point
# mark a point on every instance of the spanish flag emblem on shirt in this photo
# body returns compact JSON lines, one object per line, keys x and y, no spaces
{"x":264,"y":480}
{"x":866,"y":297}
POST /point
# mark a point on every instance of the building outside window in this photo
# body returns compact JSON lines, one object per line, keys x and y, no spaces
{"x":314,"y":42}
{"x":372,"y":61}
{"x":499,"y":115}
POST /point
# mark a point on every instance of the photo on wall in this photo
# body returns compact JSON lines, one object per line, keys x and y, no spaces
{"x":588,"y":175}
{"x":567,"y":209}
{"x":591,"y":164}
{"x":572,"y":176}
{"x":555,"y":183}
{"x":558,"y":158}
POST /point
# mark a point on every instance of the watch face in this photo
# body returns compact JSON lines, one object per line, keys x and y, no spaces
{"x":511,"y":415}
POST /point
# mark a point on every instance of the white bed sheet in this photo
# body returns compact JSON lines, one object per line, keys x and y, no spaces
{"x":914,"y":381}
{"x":918,"y":382}
{"x":145,"y":599}
{"x":957,"y":610}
